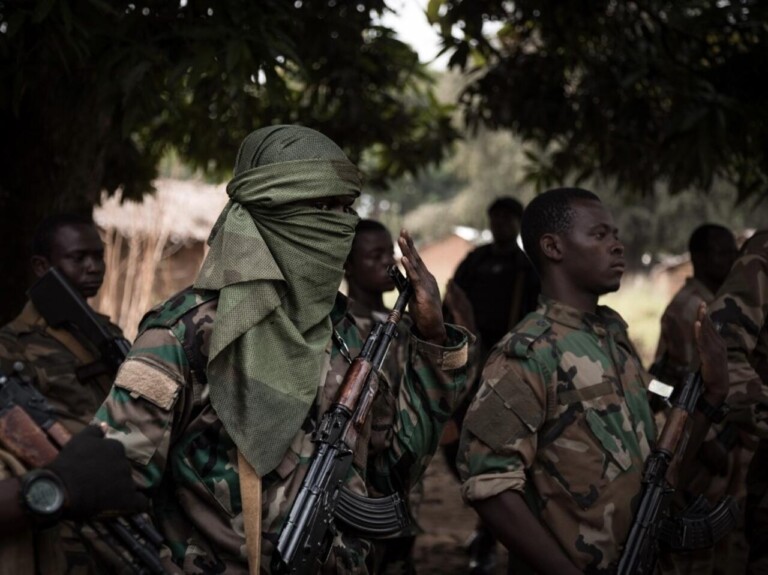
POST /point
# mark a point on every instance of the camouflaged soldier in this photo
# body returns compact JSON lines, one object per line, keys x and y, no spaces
{"x":227,"y":380}
{"x":54,"y":358}
{"x":367,"y":281}
{"x":562,"y":419}
{"x":712,"y":250}
{"x":741,"y":306}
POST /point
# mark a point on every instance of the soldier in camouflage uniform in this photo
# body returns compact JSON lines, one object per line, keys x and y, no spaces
{"x":55,"y":359}
{"x":713,"y":251}
{"x":188,"y":420}
{"x":553,"y":446}
{"x":741,"y":306}
{"x":367,"y":280}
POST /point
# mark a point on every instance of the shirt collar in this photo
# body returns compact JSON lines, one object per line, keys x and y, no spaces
{"x":605,"y":319}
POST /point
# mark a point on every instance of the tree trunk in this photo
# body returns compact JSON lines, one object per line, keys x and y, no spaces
{"x":53,"y":161}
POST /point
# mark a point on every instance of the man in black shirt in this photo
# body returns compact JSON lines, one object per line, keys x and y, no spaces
{"x":502,"y":287}
{"x":497,"y":278}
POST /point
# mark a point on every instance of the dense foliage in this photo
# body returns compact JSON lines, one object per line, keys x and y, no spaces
{"x":94,"y":93}
{"x":635,"y":92}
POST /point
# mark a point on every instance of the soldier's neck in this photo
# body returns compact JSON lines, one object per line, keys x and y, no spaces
{"x":373,"y":301}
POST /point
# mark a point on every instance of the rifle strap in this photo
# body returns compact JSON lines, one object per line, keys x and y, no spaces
{"x":71,"y":343}
{"x":31,"y":317}
{"x":250,"y":494}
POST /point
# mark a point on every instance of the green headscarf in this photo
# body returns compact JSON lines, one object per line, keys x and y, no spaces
{"x":277,"y":267}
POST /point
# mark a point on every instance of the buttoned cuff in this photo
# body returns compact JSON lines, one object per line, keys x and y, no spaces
{"x":455,"y":352}
{"x":482,"y":487}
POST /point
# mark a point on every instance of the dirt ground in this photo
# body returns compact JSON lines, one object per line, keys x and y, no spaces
{"x":448,"y":524}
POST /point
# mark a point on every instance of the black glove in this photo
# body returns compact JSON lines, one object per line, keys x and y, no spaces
{"x":97,"y":477}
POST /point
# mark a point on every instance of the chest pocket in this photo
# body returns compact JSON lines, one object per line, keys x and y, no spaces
{"x":208,"y":467}
{"x":582,"y":447}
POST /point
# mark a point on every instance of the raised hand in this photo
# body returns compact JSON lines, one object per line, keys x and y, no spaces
{"x":425,"y":307}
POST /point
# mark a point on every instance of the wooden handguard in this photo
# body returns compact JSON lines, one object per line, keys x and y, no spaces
{"x":20,"y":435}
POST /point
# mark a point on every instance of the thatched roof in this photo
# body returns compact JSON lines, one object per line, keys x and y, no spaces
{"x":187,"y":209}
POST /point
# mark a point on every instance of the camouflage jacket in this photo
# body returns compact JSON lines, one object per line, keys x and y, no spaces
{"x":741,"y":306}
{"x":51,"y":358}
{"x":676,"y":352}
{"x":159,"y":408}
{"x":562,"y":413}
{"x":384,"y":410}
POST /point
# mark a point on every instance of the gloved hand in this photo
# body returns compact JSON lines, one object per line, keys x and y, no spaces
{"x":97,"y":477}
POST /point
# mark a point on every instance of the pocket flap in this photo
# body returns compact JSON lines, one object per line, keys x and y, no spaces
{"x":611,"y":444}
{"x":504,"y":412}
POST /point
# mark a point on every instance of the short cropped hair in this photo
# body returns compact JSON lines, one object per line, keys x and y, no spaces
{"x":507,"y":204}
{"x":699,"y":241}
{"x":42,"y":241}
{"x":549,"y":213}
{"x":364,"y":226}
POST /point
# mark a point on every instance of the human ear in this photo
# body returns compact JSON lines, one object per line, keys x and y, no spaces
{"x":40,"y":265}
{"x":551,"y":247}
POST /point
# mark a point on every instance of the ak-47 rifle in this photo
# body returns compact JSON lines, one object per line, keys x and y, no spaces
{"x":63,"y":307}
{"x":700,"y":525}
{"x":29,"y":431}
{"x":306,"y":537}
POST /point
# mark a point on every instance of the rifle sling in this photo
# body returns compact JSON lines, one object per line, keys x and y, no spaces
{"x":250,"y":493}
{"x":31,"y":316}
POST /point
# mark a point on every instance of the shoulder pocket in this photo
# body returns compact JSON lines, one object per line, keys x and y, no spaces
{"x":149,"y":380}
{"x":504,"y":412}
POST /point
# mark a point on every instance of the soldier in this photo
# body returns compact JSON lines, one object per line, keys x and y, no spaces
{"x":367,"y":279}
{"x":497,"y":278}
{"x":227,"y":380}
{"x":498,"y":281}
{"x":741,"y":306}
{"x":59,"y":362}
{"x":713,"y":251}
{"x":54,"y":358}
{"x":562,"y":417}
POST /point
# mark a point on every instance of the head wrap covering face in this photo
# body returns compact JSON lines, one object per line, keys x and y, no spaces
{"x":277,"y":266}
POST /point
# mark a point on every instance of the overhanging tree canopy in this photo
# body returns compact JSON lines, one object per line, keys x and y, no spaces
{"x":93,"y":93}
{"x":638,"y":92}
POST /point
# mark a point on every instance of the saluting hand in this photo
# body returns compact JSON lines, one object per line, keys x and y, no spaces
{"x":425,"y":305}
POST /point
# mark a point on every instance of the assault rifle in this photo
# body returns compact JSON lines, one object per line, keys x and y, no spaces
{"x":29,"y":431}
{"x":63,"y":307}
{"x":700,"y":525}
{"x":306,"y":537}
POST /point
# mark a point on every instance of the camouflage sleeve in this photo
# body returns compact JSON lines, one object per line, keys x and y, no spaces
{"x":433,"y":380}
{"x":677,"y":351}
{"x":9,"y":351}
{"x":741,"y":306}
{"x":498,"y":437}
{"x":139,"y":411}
